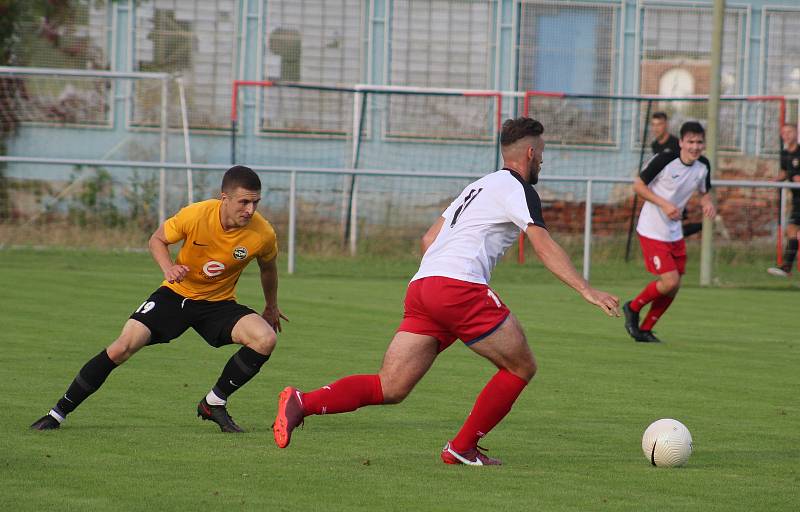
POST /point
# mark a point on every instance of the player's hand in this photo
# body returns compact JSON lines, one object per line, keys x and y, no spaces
{"x":709,"y":210}
{"x":605,"y":301}
{"x":273,"y":317}
{"x":671,"y":211}
{"x":176,"y":273}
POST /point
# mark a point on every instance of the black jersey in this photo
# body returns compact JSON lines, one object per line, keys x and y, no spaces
{"x":671,"y":145}
{"x":790,"y":164}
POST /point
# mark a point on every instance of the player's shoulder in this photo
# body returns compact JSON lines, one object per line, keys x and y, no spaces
{"x":512,"y":180}
{"x":197,"y":212}
{"x":497,"y":182}
{"x":661,"y":160}
{"x":200,"y":207}
{"x":703,"y":160}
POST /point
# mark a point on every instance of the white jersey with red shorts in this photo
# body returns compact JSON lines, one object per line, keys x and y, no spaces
{"x":449,"y":296}
{"x":661,"y":238}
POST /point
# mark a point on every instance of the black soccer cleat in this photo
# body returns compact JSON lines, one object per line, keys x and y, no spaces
{"x":219,"y":415}
{"x":631,"y":320}
{"x":647,"y":337}
{"x":46,"y":422}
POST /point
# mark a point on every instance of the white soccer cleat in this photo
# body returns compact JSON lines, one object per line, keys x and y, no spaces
{"x":777,"y":272}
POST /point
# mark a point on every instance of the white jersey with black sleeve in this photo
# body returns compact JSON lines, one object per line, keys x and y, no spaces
{"x":668,"y":177}
{"x":479,"y":225}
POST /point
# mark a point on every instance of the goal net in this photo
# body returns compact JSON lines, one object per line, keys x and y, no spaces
{"x":413,"y":131}
{"x":75,"y":120}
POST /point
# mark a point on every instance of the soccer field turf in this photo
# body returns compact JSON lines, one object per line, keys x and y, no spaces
{"x":572,"y":442}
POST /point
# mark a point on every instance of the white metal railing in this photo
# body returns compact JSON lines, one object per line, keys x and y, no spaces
{"x":589,"y":181}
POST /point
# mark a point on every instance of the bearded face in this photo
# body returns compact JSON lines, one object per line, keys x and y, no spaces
{"x":535,"y":165}
{"x":533,"y":172}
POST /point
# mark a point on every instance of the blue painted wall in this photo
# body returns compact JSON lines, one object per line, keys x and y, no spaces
{"x":552,"y":73}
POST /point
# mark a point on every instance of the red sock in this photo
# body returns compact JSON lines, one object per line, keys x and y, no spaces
{"x":648,"y":295}
{"x":492,"y":405}
{"x":344,"y":395}
{"x":656,"y":310}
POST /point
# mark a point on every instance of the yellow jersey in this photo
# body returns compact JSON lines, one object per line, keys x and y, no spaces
{"x":215,"y":257}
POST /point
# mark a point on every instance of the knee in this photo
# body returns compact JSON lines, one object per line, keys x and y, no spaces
{"x":262,"y":342}
{"x":392,"y":392}
{"x":394,"y":397}
{"x":121,"y":350}
{"x":525,"y":370}
{"x":671,"y":284}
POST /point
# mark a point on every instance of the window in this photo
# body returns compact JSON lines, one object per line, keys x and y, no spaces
{"x":676,"y":60}
{"x":567,"y":48}
{"x":782,"y":52}
{"x":570,"y":48}
{"x":313,"y":41}
{"x":681,"y":37}
{"x":196,"y":40}
{"x":441,"y":43}
{"x":782,"y":68}
{"x":71,"y":35}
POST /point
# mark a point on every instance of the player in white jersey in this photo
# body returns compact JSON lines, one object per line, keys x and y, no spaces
{"x":449,"y":298}
{"x":666,"y":184}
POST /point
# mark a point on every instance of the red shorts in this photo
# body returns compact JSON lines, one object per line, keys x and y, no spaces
{"x":662,"y":257}
{"x":448,"y":308}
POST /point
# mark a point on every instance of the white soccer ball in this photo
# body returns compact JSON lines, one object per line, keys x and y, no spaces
{"x":667,"y":443}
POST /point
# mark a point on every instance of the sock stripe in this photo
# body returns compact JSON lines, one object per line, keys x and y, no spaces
{"x":247,"y":370}
{"x":85,"y":385}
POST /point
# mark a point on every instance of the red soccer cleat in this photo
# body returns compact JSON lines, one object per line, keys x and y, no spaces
{"x":473,"y":457}
{"x":290,"y":415}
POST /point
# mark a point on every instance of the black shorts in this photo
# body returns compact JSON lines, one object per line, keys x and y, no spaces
{"x":168,"y":315}
{"x":794,"y":217}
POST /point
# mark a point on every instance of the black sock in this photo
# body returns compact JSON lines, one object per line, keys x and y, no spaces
{"x":241,"y":367}
{"x":789,"y":254}
{"x":88,"y":380}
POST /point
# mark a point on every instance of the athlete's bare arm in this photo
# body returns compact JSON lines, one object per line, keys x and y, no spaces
{"x":669,"y":209}
{"x":269,"y":284}
{"x":557,"y":262}
{"x":159,"y":248}
{"x":708,"y":205}
{"x":431,"y":234}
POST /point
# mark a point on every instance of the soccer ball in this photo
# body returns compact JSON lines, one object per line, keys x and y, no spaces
{"x":667,"y":443}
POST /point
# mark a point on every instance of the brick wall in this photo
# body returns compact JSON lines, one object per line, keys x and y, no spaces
{"x":747,"y":213}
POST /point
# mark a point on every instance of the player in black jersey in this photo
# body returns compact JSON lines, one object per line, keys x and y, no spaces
{"x":664,"y":141}
{"x":790,"y":171}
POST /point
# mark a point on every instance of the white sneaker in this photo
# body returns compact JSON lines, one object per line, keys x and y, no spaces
{"x":777,"y":272}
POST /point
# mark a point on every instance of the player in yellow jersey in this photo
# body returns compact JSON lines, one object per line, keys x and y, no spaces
{"x":220,"y":237}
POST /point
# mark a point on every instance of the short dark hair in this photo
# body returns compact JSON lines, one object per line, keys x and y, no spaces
{"x":521,"y":127}
{"x":659,"y":115}
{"x":692,"y":127}
{"x":240,"y":176}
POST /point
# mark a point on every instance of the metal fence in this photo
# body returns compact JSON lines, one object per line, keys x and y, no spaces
{"x":284,"y":206}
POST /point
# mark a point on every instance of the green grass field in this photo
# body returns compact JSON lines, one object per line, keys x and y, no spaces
{"x":729,"y":371}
